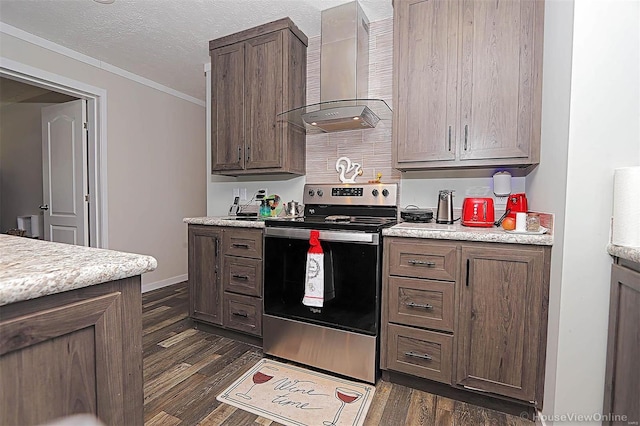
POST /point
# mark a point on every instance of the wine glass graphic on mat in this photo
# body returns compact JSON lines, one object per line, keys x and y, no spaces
{"x":346,"y":396}
{"x":259,"y":377}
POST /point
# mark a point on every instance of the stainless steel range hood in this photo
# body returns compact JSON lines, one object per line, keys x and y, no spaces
{"x":344,"y":77}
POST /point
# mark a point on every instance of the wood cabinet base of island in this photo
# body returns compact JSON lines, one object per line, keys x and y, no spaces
{"x":79,"y":351}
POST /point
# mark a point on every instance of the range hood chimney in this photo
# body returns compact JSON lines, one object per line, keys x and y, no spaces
{"x":344,"y":76}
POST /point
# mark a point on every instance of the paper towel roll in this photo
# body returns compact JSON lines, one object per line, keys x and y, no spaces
{"x":502,"y":184}
{"x":626,"y":207}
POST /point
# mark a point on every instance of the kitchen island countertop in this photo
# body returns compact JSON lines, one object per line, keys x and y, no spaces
{"x":463,"y":233}
{"x":34,"y":268}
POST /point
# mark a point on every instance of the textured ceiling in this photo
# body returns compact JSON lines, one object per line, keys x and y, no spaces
{"x":163,"y":40}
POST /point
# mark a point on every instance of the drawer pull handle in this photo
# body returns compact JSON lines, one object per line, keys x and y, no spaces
{"x":240,"y":314}
{"x":240,"y":245}
{"x":417,"y":355}
{"x":422,"y":263}
{"x":240,"y":277}
{"x":418,"y":305}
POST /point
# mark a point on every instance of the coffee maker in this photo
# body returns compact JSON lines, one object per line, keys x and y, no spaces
{"x":445,"y":206}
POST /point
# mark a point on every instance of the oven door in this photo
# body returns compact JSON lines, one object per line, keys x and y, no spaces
{"x":352,"y":262}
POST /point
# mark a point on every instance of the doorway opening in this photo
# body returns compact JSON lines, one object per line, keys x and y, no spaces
{"x":96,"y":118}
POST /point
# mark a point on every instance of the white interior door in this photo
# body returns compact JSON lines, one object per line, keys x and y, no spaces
{"x":64,"y":171}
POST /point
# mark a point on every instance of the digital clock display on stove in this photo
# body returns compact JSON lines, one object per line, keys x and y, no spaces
{"x":347,"y":192}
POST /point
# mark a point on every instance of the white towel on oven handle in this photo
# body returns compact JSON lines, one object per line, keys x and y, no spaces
{"x":314,"y":273}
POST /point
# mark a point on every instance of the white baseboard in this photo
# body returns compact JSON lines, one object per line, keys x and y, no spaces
{"x":164,"y":283}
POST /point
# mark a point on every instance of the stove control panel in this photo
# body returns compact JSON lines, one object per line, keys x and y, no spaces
{"x":370,"y":194}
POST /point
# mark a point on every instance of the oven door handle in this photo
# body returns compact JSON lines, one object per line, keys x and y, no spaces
{"x":329,"y":236}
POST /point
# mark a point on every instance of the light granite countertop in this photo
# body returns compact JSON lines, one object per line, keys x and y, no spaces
{"x":628,"y":253}
{"x":224,"y":221}
{"x":463,"y":233}
{"x":35,"y":268}
{"x":408,"y":229}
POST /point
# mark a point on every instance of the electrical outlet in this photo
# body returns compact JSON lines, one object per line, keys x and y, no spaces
{"x":236,"y":192}
{"x":243,"y":194}
{"x":262,"y":193}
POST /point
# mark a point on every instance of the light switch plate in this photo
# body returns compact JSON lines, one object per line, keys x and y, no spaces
{"x":243,"y":194}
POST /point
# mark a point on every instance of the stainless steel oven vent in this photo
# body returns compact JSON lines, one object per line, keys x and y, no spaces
{"x":344,"y":76}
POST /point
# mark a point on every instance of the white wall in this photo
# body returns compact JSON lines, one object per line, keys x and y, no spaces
{"x":20,"y":162}
{"x":546,"y":185}
{"x":603,"y":134}
{"x":155,"y":159}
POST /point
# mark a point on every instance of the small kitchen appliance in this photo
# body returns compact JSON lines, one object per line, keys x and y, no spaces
{"x":445,"y":206}
{"x":416,"y":215}
{"x":478,"y":212}
{"x":516,"y":203}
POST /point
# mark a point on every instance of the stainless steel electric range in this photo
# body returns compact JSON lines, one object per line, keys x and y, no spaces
{"x":341,"y":336}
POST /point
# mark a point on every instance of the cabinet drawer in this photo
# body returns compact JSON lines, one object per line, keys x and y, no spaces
{"x":411,"y":259}
{"x":243,"y":313}
{"x":420,"y":353}
{"x":242,"y":275}
{"x":242,"y":242}
{"x":421,"y":303}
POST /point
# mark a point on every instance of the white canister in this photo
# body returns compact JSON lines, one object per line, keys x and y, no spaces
{"x":521,"y":222}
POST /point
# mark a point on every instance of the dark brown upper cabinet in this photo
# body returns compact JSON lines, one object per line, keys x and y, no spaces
{"x":255,"y":75}
{"x":467,"y":84}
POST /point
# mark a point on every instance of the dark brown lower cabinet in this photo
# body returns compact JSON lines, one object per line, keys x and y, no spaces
{"x":74,"y":352}
{"x":622,"y":377}
{"x":481,"y":327}
{"x":501,"y":320}
{"x":225,"y":277}
{"x":205,"y":289}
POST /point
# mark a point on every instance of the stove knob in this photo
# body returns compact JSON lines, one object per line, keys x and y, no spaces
{"x":311,"y":193}
{"x":385,"y":192}
{"x":374,"y":192}
{"x":319,"y":192}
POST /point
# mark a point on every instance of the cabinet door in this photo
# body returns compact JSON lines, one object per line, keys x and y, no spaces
{"x":227,"y":108}
{"x":205,"y":290}
{"x":622,"y":378}
{"x":500,"y":320}
{"x":497,"y":84}
{"x":263,"y":101}
{"x":425,"y":55}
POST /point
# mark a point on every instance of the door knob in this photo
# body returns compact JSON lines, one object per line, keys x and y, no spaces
{"x":44,"y":206}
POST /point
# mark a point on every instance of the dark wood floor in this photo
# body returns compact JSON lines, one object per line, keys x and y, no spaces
{"x":185,"y":369}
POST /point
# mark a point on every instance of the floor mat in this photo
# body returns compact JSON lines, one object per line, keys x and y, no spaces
{"x":296,"y":396}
